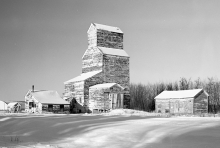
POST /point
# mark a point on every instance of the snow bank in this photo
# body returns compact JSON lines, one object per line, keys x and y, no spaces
{"x":131,"y":112}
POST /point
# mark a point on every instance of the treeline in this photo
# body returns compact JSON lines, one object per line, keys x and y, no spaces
{"x":142,"y":96}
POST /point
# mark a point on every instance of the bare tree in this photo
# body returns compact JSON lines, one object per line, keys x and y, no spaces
{"x":197,"y":83}
{"x":184,"y":84}
{"x":142,"y":96}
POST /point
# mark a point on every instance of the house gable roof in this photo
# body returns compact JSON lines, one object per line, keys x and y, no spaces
{"x":48,"y":97}
{"x":83,"y":76}
{"x":105,"y":27}
{"x":179,"y":94}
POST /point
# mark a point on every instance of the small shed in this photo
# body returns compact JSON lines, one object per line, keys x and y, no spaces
{"x":22,"y":103}
{"x":182,"y":102}
{"x":3,"y":106}
{"x":106,"y":96}
{"x":14,"y":107}
{"x":45,"y":101}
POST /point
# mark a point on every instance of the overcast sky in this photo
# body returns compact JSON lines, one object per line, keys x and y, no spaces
{"x":42,"y":41}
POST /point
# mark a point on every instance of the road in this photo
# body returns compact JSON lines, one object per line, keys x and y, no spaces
{"x":100,"y":131}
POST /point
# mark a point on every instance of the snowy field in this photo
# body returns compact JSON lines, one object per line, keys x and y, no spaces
{"x":108,"y":131}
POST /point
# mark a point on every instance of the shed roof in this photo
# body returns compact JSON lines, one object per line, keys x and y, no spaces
{"x":83,"y":76}
{"x":108,"y":28}
{"x":105,"y":85}
{"x":48,"y":97}
{"x":113,"y":51}
{"x":11,"y":104}
{"x":178,"y":94}
{"x":3,"y":102}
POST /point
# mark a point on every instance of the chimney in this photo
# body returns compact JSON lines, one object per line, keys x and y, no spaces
{"x":32,"y":88}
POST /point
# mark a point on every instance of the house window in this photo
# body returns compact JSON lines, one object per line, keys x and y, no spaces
{"x":66,"y":107}
{"x":167,"y":110}
{"x":45,"y":107}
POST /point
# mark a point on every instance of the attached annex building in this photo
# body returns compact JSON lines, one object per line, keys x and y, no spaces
{"x":104,"y":62}
{"x":182,"y":102}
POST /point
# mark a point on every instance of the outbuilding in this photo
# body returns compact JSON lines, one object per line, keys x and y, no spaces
{"x":22,"y":103}
{"x":3,"y":106}
{"x":106,"y":96}
{"x":182,"y":102}
{"x":14,"y":107}
{"x":45,"y":101}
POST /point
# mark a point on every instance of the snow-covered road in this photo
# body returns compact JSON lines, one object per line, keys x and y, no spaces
{"x":98,"y":131}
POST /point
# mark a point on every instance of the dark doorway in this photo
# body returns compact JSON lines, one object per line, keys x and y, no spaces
{"x":31,"y":104}
{"x":80,"y":111}
{"x":50,"y":108}
{"x":61,"y":108}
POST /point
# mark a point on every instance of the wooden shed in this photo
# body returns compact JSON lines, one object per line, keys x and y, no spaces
{"x":106,"y":96}
{"x":182,"y":102}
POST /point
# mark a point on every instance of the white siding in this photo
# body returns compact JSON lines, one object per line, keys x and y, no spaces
{"x":3,"y":105}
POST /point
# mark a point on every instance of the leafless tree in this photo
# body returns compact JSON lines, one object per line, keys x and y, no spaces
{"x":184,"y":84}
{"x":142,"y":96}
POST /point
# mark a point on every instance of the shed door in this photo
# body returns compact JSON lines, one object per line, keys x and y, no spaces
{"x":116,"y":100}
{"x":172,"y":104}
{"x":176,"y":106}
{"x":113,"y":98}
{"x":120,"y":101}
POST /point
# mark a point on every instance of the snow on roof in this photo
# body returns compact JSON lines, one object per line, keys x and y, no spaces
{"x":3,"y":102}
{"x":178,"y":94}
{"x":48,"y":97}
{"x":113,"y":51}
{"x":108,"y":28}
{"x":11,"y":104}
{"x":105,"y":85}
{"x":83,"y":76}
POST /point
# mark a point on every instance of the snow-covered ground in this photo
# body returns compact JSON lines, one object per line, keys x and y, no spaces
{"x":108,"y":131}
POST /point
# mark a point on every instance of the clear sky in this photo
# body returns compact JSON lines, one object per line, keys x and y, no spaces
{"x":42,"y":41}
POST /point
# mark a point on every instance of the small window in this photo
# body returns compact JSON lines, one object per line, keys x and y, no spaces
{"x":159,"y":106}
{"x":167,"y":110}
